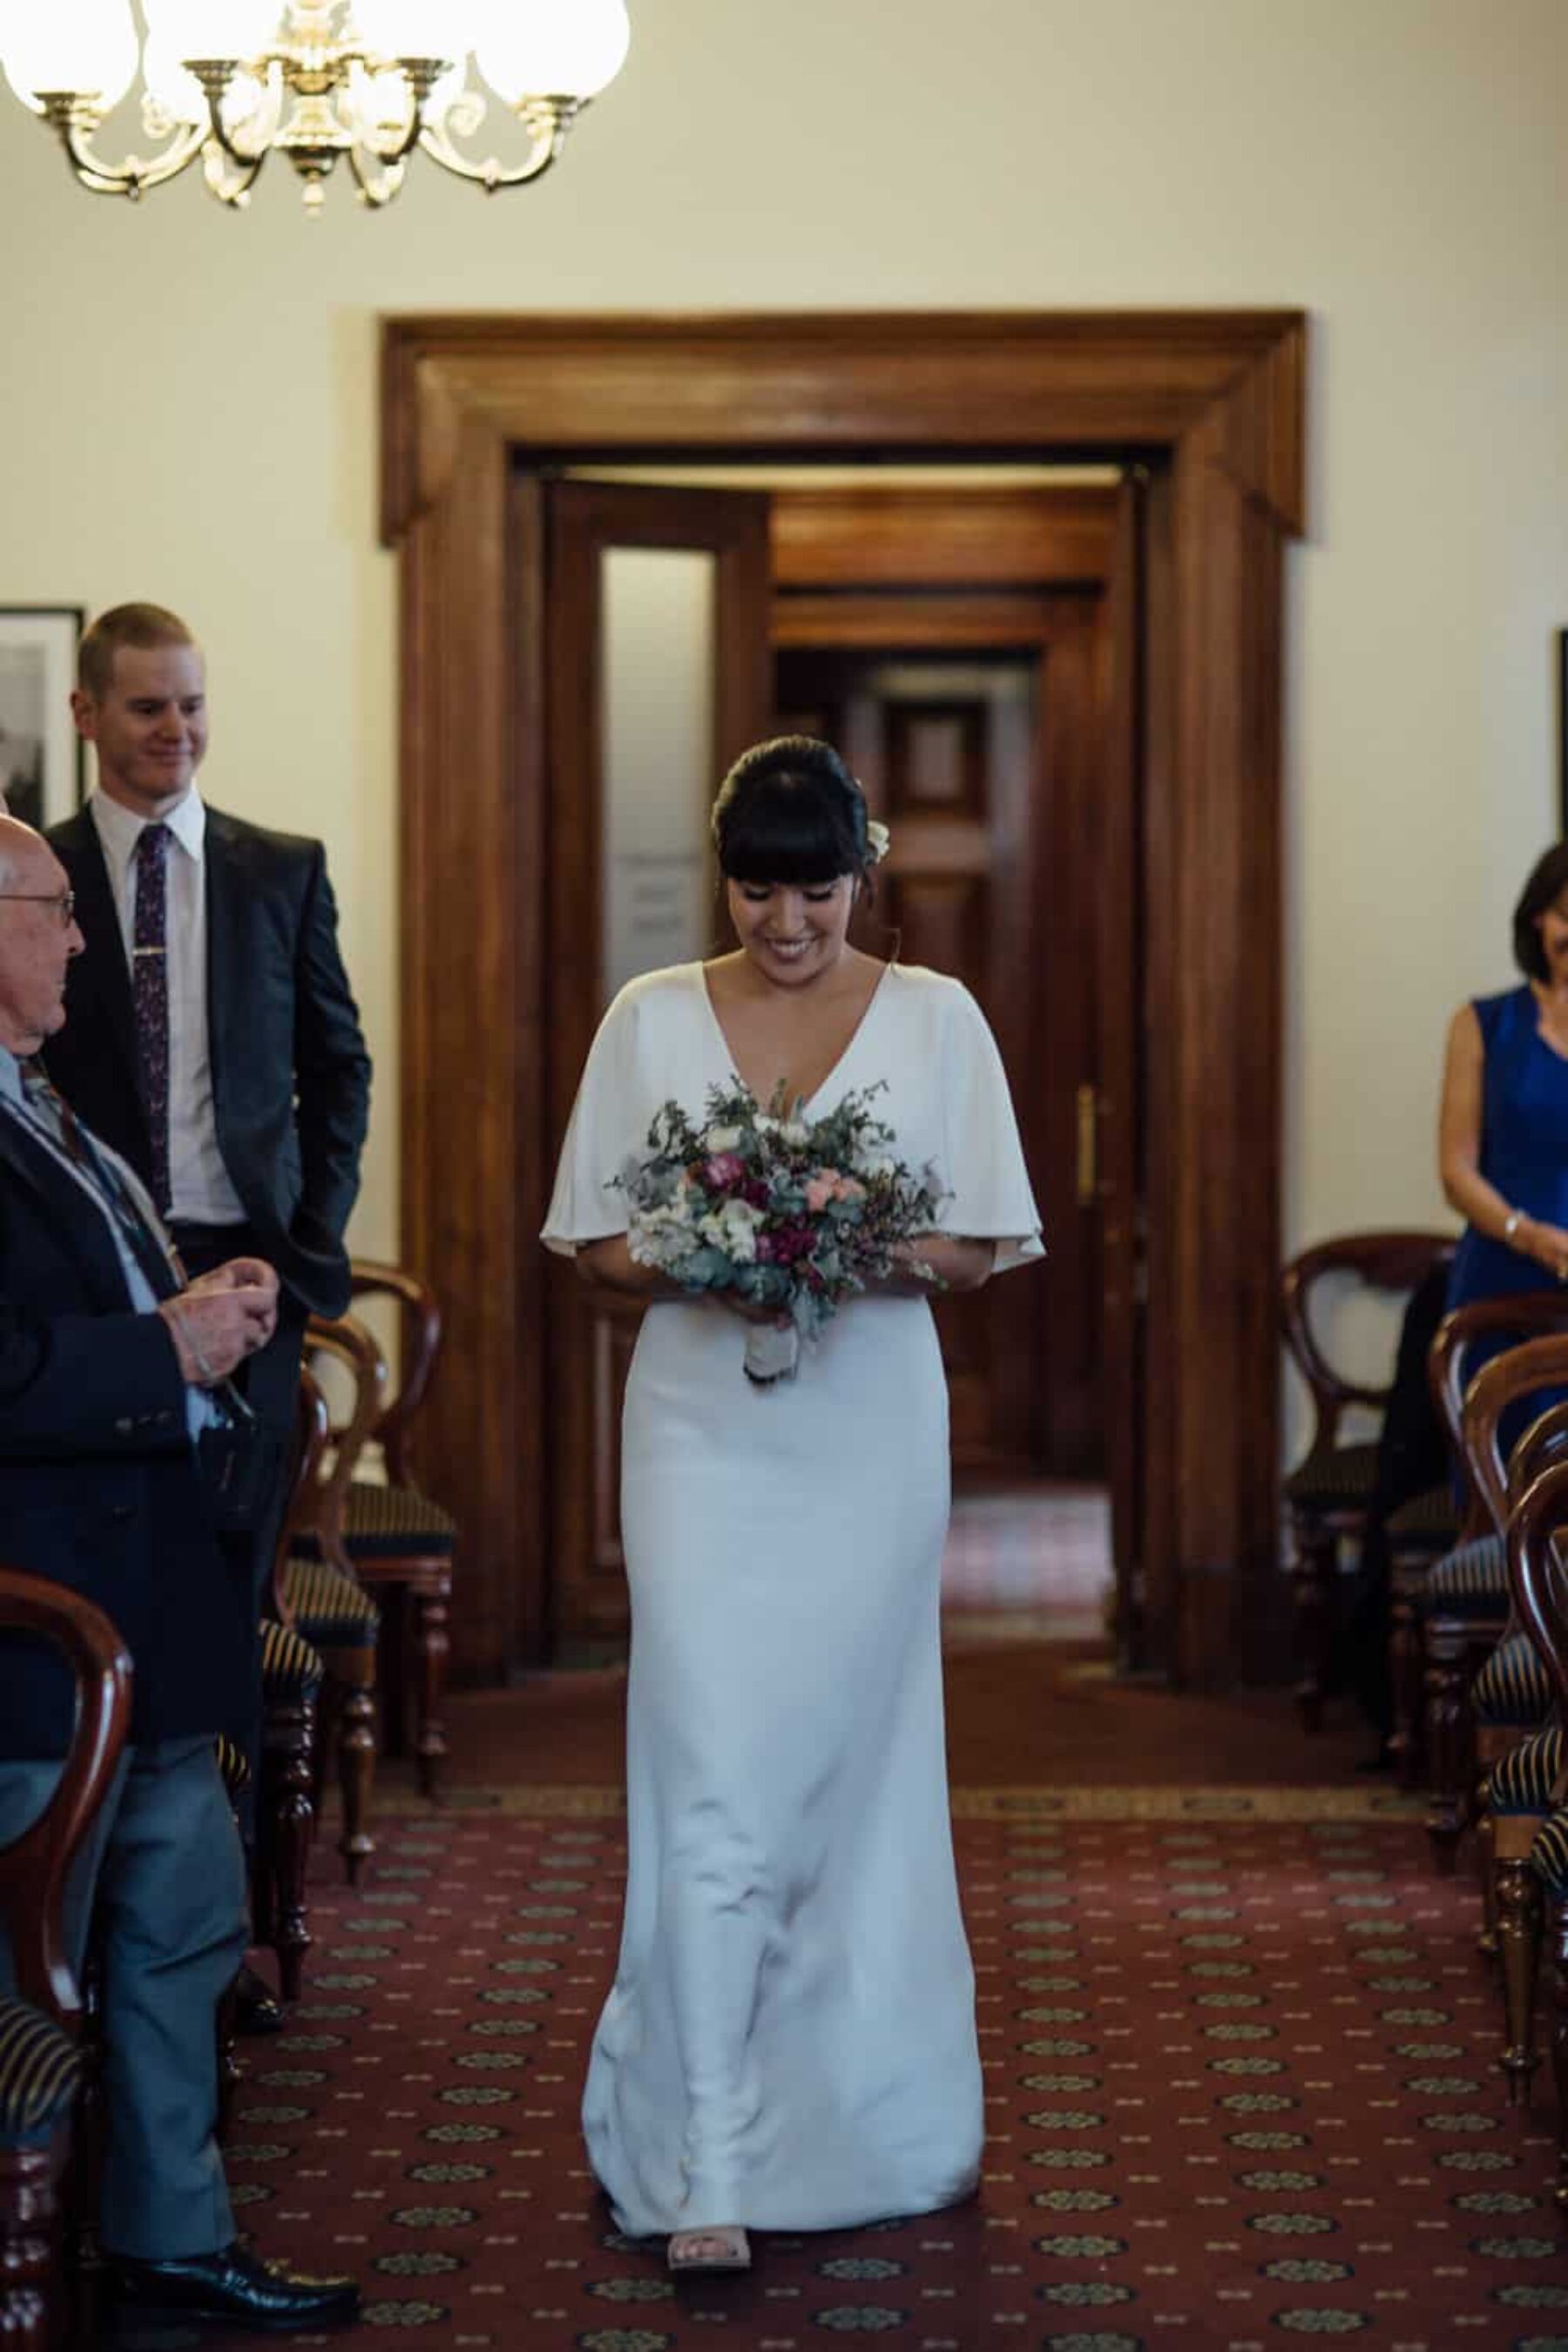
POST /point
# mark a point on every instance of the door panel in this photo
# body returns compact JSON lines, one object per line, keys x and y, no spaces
{"x":658,"y":608}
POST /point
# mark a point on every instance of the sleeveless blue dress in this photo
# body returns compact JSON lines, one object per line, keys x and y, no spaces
{"x":1524,"y":1153}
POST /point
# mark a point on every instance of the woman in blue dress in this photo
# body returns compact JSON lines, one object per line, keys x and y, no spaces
{"x":1503,"y":1130}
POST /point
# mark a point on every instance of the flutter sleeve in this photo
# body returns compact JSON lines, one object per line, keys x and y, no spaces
{"x":604,"y":1130}
{"x":990,"y":1197}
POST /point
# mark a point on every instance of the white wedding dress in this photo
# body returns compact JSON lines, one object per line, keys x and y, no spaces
{"x":789,"y":2042}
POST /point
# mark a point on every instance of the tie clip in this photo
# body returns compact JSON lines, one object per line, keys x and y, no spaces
{"x":147,"y":951}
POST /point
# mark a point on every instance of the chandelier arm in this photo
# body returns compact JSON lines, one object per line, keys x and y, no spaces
{"x":379,"y":187}
{"x":230,"y":181}
{"x":74,"y":120}
{"x":215,"y":78}
{"x":546,"y":121}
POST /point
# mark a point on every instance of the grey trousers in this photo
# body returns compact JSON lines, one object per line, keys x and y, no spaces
{"x":164,"y":1871}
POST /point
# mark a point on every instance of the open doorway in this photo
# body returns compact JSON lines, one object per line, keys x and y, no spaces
{"x":948,"y":628}
{"x":1206,"y":410}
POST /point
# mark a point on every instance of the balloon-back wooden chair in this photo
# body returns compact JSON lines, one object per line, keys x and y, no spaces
{"x":43,"y":2067}
{"x":1329,"y":1493}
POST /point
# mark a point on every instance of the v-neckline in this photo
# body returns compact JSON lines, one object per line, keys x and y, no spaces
{"x":850,"y":1043}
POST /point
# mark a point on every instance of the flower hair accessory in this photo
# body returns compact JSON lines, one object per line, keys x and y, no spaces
{"x":878,"y":840}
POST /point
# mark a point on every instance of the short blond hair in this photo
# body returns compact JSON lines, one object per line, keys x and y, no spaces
{"x":141,"y":625}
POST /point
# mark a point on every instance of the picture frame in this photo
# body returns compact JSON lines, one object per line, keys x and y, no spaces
{"x":42,"y":767}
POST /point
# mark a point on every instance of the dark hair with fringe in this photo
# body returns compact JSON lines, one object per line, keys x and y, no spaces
{"x":789,"y":811}
{"x":1548,"y":880}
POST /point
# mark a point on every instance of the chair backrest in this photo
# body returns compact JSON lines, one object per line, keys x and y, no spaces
{"x":1522,"y":1318}
{"x":352,"y":1343}
{"x":419,"y":1344}
{"x":1536,"y":1575}
{"x":1384,"y":1261}
{"x":1518,"y":1373}
{"x":312,"y":1429}
{"x":1543,"y":1442}
{"x":35,"y":1866}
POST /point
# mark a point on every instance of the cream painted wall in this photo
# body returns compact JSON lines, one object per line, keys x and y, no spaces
{"x":188,"y":411}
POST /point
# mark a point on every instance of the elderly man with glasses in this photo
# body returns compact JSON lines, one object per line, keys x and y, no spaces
{"x":113,"y":1371}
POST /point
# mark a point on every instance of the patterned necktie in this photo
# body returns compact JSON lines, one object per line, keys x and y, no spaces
{"x":150,"y":995}
{"x":146,"y":1246}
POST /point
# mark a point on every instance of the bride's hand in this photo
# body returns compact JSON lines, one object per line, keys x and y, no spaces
{"x":749,"y":1311}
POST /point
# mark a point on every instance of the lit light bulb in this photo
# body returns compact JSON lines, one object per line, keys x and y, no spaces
{"x":86,"y":45}
{"x":552,"y":48}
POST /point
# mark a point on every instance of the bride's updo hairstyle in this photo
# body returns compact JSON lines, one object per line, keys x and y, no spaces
{"x":789,"y":811}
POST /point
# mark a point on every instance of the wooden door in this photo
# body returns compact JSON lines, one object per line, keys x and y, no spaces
{"x":1113,"y":1140}
{"x":951,"y":753}
{"x":656,"y":605}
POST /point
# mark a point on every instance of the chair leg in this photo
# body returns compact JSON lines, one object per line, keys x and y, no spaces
{"x":31,"y":2267}
{"x":1316,"y":1563}
{"x":356,"y":1765}
{"x":433,"y":1643}
{"x":1487,"y":1943}
{"x":396,"y":1668}
{"x":1449,"y":1742}
{"x":1519,"y":1930}
{"x":285,"y":1821}
{"x":1406,"y":1675}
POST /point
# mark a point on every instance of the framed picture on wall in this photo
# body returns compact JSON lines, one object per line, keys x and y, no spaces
{"x":41,"y":765}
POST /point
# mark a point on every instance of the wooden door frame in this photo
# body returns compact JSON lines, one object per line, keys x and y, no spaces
{"x":1215,"y":404}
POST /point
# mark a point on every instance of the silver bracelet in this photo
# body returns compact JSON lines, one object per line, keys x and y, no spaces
{"x":1511,"y":1223}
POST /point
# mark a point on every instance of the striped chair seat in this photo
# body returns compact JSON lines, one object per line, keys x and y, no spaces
{"x":329,"y":1608}
{"x":1549,"y":1856}
{"x":1472,"y":1582}
{"x":382,"y":1520}
{"x":290,"y":1668}
{"x":40,"y":2068}
{"x":1513,"y":1688}
{"x":1340,"y":1479}
{"x":235,"y":1766}
{"x":1426,"y":1518}
{"x":1522,"y":1781}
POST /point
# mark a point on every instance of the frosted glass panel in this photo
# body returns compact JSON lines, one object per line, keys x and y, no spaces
{"x":659,"y":655}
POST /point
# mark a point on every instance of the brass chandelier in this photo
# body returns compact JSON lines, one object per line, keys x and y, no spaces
{"x":371,"y":83}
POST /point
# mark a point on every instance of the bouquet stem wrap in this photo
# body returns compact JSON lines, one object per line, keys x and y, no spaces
{"x":773,"y":1353}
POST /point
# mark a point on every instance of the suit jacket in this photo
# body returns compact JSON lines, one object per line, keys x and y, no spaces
{"x":289,"y":1071}
{"x":99,"y":1487}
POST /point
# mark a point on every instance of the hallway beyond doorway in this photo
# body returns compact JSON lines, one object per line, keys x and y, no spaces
{"x":1028,"y":1563}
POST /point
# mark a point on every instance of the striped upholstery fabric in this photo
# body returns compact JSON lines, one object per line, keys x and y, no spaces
{"x":233,"y":1764}
{"x":40,"y":2068}
{"x":1513,"y":1688}
{"x":1472,"y":1582}
{"x":329,"y":1607}
{"x":1522,"y":1781}
{"x":1428,"y":1518}
{"x":380,"y":1520}
{"x":1549,"y":1856}
{"x":290,"y":1668}
{"x":1341,"y":1479}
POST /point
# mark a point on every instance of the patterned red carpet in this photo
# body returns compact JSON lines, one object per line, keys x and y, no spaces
{"x":1240,"y":2059}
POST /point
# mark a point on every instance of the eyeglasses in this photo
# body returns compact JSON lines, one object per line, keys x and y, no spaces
{"x":63,"y":902}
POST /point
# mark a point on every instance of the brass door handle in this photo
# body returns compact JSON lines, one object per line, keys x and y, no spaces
{"x":1088,"y":1141}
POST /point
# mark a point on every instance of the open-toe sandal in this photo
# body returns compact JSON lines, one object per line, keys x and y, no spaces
{"x":723,"y":2248}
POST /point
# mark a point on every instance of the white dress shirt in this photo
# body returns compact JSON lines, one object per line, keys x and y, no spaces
{"x":201,"y":1191}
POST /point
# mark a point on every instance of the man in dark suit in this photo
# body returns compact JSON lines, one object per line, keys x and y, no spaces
{"x":213,"y":1037}
{"x":112,"y":1373}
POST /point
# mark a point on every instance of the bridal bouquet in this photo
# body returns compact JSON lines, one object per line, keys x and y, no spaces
{"x":787,"y":1212}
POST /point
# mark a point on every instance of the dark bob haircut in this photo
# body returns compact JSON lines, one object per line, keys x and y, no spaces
{"x":1548,"y":880}
{"x":790,"y":811}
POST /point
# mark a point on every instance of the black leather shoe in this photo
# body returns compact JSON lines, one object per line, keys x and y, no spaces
{"x":254,"y":2008}
{"x":234,"y":2285}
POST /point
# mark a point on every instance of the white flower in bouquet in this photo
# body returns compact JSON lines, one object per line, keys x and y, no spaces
{"x":733,"y":1229}
{"x":722,"y":1138}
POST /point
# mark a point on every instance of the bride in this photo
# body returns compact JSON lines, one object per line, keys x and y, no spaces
{"x":789,"y":2042}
